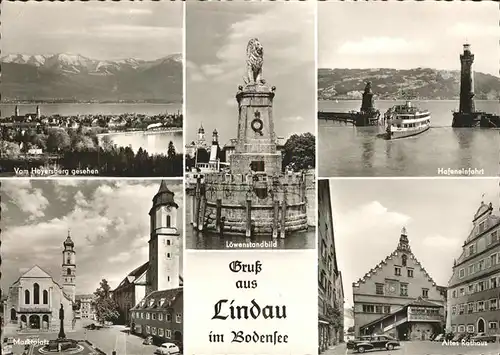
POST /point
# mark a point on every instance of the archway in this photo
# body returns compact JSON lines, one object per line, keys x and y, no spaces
{"x":480,"y":325}
{"x":34,"y":321}
{"x":24,"y":319}
{"x":177,"y":336}
{"x":45,"y":322}
{"x":13,"y":314}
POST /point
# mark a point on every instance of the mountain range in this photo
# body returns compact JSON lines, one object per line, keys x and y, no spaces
{"x":389,"y":84}
{"x":74,"y":77}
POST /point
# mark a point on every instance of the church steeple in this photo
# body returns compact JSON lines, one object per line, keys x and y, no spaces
{"x":69,"y":267}
{"x":404,"y":244}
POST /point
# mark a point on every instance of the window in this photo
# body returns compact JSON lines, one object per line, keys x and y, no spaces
{"x":151,"y":302}
{"x":404,"y":290}
{"x":493,"y":259}
{"x":493,"y":304}
{"x":481,"y":227}
{"x":425,"y":293}
{"x":493,"y":237}
{"x":160,"y":316}
{"x":168,"y":255}
{"x":45,"y":297}
{"x":148,"y":329}
{"x":368,"y":308}
{"x":470,"y":328}
{"x":147,"y":315}
{"x":178,"y":318}
{"x":461,"y":273}
{"x":153,"y":316}
{"x":454,"y":294}
{"x":471,"y":250}
{"x":168,"y":242}
{"x":378,"y":309}
{"x":462,"y":291}
{"x":480,"y":265}
{"x":493,"y":282}
{"x":454,"y":310}
{"x":387,"y":309}
{"x":168,"y":318}
{"x":461,"y":328}
{"x":471,"y":289}
{"x":403,"y":260}
{"x":453,"y":328}
{"x":168,"y":221}
{"x":493,"y":325}
{"x":461,"y":309}
{"x":36,"y":293}
{"x":480,"y":306}
{"x":153,"y":330}
{"x":397,"y":271}
{"x":141,"y":315}
{"x":480,"y":286}
{"x":68,"y":271}
{"x":470,"y":307}
{"x":410,"y":272}
{"x":379,"y":289}
{"x":160,"y":332}
{"x":168,"y":333}
{"x":471,"y":269}
{"x":26,"y":297}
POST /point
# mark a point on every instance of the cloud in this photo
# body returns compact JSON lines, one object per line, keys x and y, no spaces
{"x":27,"y":199}
{"x":382,"y":46}
{"x":440,"y":241}
{"x":465,"y":30}
{"x":291,"y":53}
{"x":294,"y":119}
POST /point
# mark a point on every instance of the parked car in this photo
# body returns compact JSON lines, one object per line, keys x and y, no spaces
{"x":467,"y":337}
{"x":55,"y":345}
{"x":148,"y":340}
{"x":439,"y":337}
{"x":459,"y":336}
{"x":351,"y":343}
{"x":377,"y":342}
{"x":7,"y":346}
{"x":488,"y":338}
{"x":167,"y":349}
{"x":449,"y":336}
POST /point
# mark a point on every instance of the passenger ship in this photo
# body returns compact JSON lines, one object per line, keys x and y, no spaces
{"x":405,"y":121}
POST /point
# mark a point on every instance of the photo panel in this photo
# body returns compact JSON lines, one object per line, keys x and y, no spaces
{"x":404,"y":97}
{"x":92,"y":89}
{"x":92,"y":266}
{"x":250,"y":125}
{"x":413,"y":271}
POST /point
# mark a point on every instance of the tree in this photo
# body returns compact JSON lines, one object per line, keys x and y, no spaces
{"x":106,"y":143}
{"x":171,"y":150}
{"x":105,"y":307}
{"x":9,"y":149}
{"x":84,"y":143}
{"x":58,"y":140}
{"x":300,"y":152}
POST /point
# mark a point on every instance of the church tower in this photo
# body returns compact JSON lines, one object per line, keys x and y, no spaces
{"x":69,"y":268}
{"x":201,"y":135}
{"x":164,"y":242}
{"x":38,"y":112}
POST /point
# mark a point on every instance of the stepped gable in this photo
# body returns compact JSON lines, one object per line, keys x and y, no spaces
{"x":403,"y":246}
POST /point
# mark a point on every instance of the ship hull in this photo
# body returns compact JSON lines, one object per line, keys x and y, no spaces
{"x":406,"y":133}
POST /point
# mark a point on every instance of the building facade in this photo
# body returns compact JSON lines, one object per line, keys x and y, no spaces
{"x":474,"y":288}
{"x":130,"y":291}
{"x":34,"y":300}
{"x":330,"y":288}
{"x":398,"y":298}
{"x":86,"y":310}
{"x":159,"y":313}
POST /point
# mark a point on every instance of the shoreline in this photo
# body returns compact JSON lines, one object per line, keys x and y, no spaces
{"x":129,"y":133}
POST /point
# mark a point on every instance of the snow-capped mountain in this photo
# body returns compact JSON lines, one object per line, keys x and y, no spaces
{"x":64,"y":75}
{"x":78,"y":64}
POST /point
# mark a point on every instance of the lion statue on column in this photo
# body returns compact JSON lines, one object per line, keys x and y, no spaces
{"x":255,"y":59}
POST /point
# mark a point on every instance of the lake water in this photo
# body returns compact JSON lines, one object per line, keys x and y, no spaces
{"x":203,"y":240}
{"x":152,"y":142}
{"x":346,"y":151}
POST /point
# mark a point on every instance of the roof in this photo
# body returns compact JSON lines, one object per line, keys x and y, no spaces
{"x":162,"y":299}
{"x":133,"y":276}
{"x":164,"y":197}
{"x":83,"y":297}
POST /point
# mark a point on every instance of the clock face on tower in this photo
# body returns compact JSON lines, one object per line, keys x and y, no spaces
{"x":392,"y":289}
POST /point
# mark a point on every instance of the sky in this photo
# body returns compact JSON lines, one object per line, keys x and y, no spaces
{"x":217,"y":34}
{"x":108,"y":222}
{"x":407,"y":34}
{"x":368,"y":218}
{"x":95,"y":29}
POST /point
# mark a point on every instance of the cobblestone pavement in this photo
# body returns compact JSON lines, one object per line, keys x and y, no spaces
{"x":106,"y":339}
{"x":424,"y":348}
